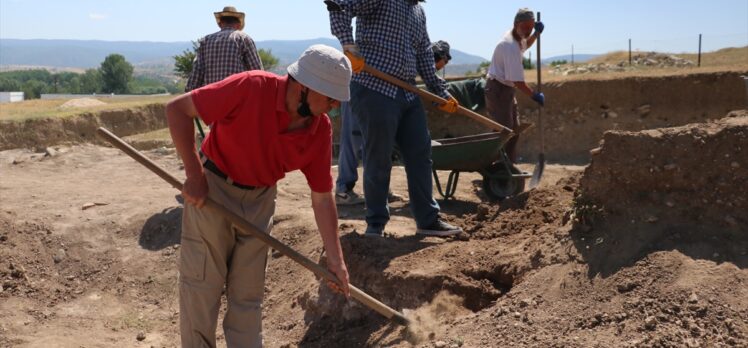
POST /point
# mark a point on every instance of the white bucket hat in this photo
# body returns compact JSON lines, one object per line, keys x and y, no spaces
{"x":324,"y":70}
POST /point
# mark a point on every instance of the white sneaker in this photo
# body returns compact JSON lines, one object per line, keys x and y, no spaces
{"x":348,"y":198}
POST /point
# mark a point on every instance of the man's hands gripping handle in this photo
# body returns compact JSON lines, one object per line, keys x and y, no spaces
{"x":357,"y":60}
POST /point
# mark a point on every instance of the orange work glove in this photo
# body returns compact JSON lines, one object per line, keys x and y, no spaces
{"x":357,"y":60}
{"x":450,"y":106}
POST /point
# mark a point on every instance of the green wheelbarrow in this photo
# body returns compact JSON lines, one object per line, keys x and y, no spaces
{"x":482,"y":153}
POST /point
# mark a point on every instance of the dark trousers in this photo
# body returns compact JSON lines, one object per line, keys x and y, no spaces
{"x":502,"y":108}
{"x":385,"y":122}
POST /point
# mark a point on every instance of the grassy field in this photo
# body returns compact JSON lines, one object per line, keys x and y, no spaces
{"x":157,"y":135}
{"x":38,"y":108}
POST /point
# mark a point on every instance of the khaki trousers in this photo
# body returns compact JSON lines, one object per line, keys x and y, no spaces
{"x":502,"y":107}
{"x":213,"y":253}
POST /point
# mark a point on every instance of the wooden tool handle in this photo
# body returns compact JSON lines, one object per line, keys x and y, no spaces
{"x":237,"y":220}
{"x":540,"y":61}
{"x":437,"y":99}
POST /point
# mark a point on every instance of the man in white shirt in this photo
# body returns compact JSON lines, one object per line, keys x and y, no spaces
{"x":506,"y":73}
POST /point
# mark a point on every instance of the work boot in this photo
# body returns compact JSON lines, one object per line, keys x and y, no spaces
{"x":348,"y":198}
{"x":439,"y":229}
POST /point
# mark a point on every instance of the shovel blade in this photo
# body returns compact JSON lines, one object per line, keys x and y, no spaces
{"x":537,"y":174}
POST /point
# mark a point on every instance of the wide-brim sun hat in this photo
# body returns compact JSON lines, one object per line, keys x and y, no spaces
{"x":230,"y":11}
{"x":325,"y":70}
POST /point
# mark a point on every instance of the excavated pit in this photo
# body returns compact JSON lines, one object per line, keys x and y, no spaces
{"x":438,"y":282}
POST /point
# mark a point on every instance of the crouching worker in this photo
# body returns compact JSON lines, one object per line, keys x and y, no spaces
{"x":263,"y":126}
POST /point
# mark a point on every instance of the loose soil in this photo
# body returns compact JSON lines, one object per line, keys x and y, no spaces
{"x":89,"y":242}
{"x":89,"y":246}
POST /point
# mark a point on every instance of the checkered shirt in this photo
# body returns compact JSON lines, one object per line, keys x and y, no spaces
{"x":391,"y":36}
{"x":221,"y":55}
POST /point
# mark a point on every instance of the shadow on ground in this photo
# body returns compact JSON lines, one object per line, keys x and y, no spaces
{"x":162,"y":230}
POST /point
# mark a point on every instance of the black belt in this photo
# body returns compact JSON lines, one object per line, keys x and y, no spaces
{"x":209,"y":165}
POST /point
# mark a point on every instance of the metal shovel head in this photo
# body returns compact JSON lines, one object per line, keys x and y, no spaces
{"x":537,"y":174}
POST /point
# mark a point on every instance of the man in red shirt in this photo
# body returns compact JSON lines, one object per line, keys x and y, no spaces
{"x":263,"y":126}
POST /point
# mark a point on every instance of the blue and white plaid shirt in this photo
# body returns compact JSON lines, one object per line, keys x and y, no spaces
{"x":391,"y":36}
{"x":221,"y":55}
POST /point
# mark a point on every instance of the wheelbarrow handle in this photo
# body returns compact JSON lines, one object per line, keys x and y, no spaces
{"x":237,"y":220}
{"x":437,"y":99}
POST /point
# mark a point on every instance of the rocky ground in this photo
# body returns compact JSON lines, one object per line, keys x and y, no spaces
{"x":631,"y":250}
{"x":638,"y":61}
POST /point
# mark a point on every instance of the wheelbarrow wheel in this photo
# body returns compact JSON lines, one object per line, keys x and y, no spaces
{"x":498,"y":184}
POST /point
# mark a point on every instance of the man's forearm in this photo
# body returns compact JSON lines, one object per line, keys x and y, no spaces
{"x":531,"y":40}
{"x":522,"y":86}
{"x":182,"y":130}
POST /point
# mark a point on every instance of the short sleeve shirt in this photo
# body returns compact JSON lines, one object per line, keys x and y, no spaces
{"x":248,"y":139}
{"x":506,"y":63}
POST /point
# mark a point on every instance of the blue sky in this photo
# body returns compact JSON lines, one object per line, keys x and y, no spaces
{"x":473,"y":26}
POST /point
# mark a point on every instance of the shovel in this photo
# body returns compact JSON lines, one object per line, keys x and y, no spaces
{"x":277,"y":245}
{"x":439,"y":100}
{"x":537,"y":174}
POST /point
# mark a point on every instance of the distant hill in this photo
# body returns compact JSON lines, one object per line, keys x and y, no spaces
{"x":83,"y":54}
{"x":90,"y":53}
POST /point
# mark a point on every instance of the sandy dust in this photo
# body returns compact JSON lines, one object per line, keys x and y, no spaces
{"x":425,"y":321}
{"x":82,"y":103}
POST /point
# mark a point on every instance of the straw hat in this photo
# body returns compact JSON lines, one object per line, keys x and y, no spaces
{"x":230,"y":11}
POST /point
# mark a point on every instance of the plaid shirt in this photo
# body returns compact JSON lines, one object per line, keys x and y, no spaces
{"x":221,"y":55}
{"x":391,"y":36}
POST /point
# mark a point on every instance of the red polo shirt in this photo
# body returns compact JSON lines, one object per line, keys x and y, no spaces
{"x":248,"y":140}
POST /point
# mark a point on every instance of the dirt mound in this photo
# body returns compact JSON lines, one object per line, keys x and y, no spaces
{"x":694,"y":173}
{"x":81,"y":103}
{"x":438,"y":282}
{"x":81,"y":128}
{"x":531,"y":274}
{"x":546,"y":268}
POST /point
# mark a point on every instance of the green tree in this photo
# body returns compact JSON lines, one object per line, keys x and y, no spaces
{"x":9,"y":85}
{"x":481,"y":70}
{"x":559,"y":62}
{"x":33,"y":89}
{"x":269,"y":61}
{"x":183,"y":62}
{"x":527,"y":64}
{"x":116,"y":74}
{"x":91,"y":81}
{"x":73,"y":85}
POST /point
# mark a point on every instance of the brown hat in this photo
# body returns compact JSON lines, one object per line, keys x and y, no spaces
{"x":230,"y":11}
